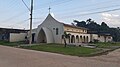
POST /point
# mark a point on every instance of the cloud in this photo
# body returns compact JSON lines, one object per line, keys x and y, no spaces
{"x":111,"y":19}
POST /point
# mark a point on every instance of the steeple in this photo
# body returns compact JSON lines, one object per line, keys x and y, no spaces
{"x":49,"y":9}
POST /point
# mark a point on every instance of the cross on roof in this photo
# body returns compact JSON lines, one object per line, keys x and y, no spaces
{"x":49,"y":9}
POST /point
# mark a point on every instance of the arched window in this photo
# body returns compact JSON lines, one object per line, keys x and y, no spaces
{"x":57,"y":31}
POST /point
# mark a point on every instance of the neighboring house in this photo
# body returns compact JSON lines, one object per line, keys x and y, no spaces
{"x":51,"y":31}
{"x":104,"y":37}
{"x":101,"y":38}
{"x":12,"y":35}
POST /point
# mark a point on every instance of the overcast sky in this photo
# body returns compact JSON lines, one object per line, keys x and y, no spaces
{"x":14,"y":14}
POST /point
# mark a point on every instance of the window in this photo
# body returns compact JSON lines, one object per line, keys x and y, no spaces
{"x":56,"y":31}
{"x":53,"y":28}
{"x":99,"y":36}
{"x":109,"y":37}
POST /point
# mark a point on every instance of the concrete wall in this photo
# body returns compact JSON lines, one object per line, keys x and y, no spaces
{"x":14,"y":37}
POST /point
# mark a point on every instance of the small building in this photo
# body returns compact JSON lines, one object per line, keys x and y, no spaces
{"x":101,"y":37}
{"x":12,"y":35}
{"x":105,"y":37}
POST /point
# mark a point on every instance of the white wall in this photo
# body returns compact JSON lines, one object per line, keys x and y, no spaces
{"x":51,"y":24}
{"x":14,"y":37}
{"x":94,"y":37}
{"x":102,"y":39}
{"x":109,"y":39}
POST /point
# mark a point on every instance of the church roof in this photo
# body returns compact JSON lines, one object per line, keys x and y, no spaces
{"x":50,"y":16}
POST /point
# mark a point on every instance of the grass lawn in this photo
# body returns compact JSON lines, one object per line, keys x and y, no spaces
{"x":12,"y":44}
{"x":107,"y":45}
{"x":69,"y":50}
{"x":101,"y":48}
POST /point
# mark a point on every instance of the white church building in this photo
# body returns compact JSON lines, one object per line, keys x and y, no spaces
{"x":51,"y":31}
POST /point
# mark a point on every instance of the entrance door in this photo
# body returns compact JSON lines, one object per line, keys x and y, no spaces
{"x":42,"y":37}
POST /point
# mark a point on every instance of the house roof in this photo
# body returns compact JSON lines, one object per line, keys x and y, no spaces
{"x":104,"y":34}
{"x":9,"y":30}
{"x":74,"y":26}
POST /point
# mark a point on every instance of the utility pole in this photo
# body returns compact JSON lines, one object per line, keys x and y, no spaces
{"x":31,"y":17}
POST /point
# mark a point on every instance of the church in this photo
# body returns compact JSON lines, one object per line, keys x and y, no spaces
{"x":52,"y":31}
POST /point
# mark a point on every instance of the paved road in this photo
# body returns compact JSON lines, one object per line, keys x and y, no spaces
{"x":15,"y":57}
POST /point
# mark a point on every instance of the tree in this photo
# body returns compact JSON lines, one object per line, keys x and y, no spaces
{"x":89,"y":21}
{"x":73,"y":24}
{"x":104,"y":25}
{"x":80,"y":24}
{"x":102,"y":29}
{"x":93,"y":26}
{"x":65,"y":36}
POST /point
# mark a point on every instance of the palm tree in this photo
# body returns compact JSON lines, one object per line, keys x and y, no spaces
{"x":89,"y":21}
{"x":65,"y":36}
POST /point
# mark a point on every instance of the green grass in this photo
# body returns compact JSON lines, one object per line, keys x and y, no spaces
{"x":12,"y":44}
{"x":69,"y":50}
{"x":107,"y":45}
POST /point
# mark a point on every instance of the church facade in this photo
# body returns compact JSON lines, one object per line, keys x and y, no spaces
{"x":52,"y":31}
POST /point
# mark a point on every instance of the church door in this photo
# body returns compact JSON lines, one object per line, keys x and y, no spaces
{"x":42,"y":37}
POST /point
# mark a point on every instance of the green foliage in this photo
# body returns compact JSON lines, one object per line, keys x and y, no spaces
{"x":98,"y":29}
{"x":80,"y":24}
{"x":115,"y":34}
{"x":65,"y":36}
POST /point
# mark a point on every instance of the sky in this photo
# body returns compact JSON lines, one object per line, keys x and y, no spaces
{"x":14,"y":14}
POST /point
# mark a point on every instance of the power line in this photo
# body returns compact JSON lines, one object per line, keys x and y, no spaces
{"x":25,"y":5}
{"x":18,"y":24}
{"x":99,"y":3}
{"x":88,"y":5}
{"x":102,"y":11}
{"x":13,"y":17}
{"x":94,"y":9}
{"x":116,"y":9}
{"x":93,"y":12}
{"x":53,"y":4}
{"x":56,"y":3}
{"x":10,"y":5}
{"x":22,"y":21}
